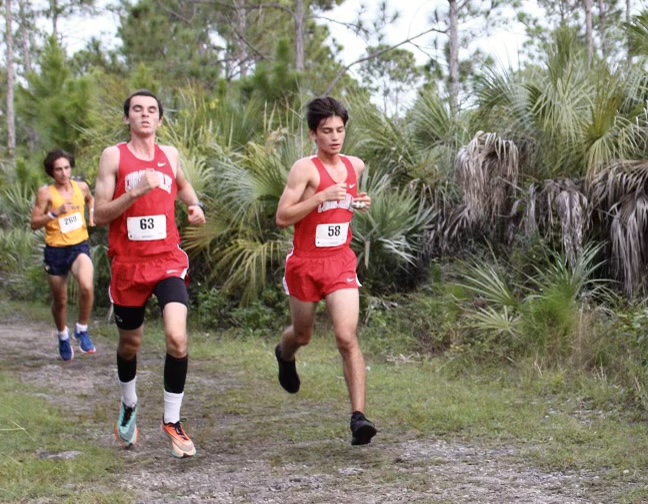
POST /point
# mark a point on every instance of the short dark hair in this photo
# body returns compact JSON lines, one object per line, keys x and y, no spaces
{"x":322,"y":108}
{"x":51,"y":158}
{"x":142,"y":92}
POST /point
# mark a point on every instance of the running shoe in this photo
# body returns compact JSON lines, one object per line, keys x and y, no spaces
{"x":126,"y":431}
{"x":288,"y":377}
{"x":85,"y":344}
{"x":362,"y":430}
{"x":65,"y":349}
{"x":181,"y":445}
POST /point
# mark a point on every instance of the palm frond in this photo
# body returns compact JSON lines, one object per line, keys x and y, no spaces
{"x":245,"y":264}
{"x":492,"y":321}
{"x":487,"y":282}
{"x":572,"y":279}
{"x":487,"y":169}
{"x":628,"y":234}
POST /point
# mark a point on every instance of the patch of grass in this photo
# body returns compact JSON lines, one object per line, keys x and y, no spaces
{"x":549,"y":417}
{"x":557,"y":419}
{"x":45,"y":455}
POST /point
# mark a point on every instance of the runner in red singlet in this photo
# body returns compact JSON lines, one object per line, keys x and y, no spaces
{"x":137,"y":186}
{"x":319,"y":199}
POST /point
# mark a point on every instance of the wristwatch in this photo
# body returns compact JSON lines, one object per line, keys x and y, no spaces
{"x":198,"y":204}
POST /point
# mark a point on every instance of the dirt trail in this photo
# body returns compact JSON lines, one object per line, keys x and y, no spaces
{"x":252,"y":466}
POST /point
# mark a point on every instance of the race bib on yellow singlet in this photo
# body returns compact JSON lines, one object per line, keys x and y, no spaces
{"x":70,"y":222}
{"x":331,"y":235}
{"x":147,"y":228}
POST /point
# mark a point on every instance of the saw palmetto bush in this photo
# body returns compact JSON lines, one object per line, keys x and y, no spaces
{"x":241,"y":245}
{"x":389,"y":239}
{"x":516,"y":316}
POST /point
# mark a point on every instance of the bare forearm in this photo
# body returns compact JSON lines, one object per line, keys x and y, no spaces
{"x":41,"y":219}
{"x":288,"y":216}
{"x":107,"y":211}
{"x":187,"y":195}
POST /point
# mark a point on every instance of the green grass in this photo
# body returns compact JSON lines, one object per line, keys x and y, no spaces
{"x":553,"y":420}
{"x":426,"y":398}
{"x":45,"y":453}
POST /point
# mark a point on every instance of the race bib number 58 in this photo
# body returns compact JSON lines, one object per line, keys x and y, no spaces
{"x":331,"y":235}
{"x":147,"y":228}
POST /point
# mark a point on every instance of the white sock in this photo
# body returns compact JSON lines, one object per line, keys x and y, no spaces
{"x":81,"y":328}
{"x":63,"y":335}
{"x":172,"y":405}
{"x":128,"y":392}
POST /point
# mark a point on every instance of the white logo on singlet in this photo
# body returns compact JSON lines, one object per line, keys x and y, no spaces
{"x":344,"y":204}
{"x":132,"y":179}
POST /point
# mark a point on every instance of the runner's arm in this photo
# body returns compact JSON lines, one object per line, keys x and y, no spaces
{"x":89,"y":200}
{"x":108,"y":209}
{"x":40,"y":216}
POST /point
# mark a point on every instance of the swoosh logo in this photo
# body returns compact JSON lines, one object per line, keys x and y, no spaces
{"x":350,"y":279}
{"x":160,"y":165}
{"x":351,"y":186}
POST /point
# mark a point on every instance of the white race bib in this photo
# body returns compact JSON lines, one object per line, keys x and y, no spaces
{"x":331,"y":235}
{"x":70,"y":222}
{"x":148,"y":228}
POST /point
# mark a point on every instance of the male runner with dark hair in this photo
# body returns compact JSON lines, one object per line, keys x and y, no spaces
{"x":60,"y":208}
{"x":137,"y":186}
{"x":319,"y":199}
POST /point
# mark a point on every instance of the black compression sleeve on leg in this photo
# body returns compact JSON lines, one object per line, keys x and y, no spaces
{"x":175,"y":373}
{"x":126,"y":369}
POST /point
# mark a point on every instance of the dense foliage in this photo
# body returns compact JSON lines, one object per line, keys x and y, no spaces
{"x":495,"y":218}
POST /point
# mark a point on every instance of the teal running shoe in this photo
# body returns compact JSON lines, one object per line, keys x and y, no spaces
{"x":126,"y":431}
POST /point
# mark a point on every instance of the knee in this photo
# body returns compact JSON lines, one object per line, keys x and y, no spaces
{"x":86,"y":290}
{"x":177,"y":345}
{"x":59,"y":301}
{"x":347,"y":343}
{"x":128,"y":346}
{"x":303,"y":337}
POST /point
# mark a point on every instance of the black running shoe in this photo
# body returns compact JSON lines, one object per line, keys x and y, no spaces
{"x":362,"y":430}
{"x":288,"y":377}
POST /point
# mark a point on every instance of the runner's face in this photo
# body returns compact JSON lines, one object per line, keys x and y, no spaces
{"x":143,"y":115}
{"x":62,"y":171}
{"x":329,"y":136}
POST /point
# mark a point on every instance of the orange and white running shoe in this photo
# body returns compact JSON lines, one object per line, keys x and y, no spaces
{"x":181,"y":445}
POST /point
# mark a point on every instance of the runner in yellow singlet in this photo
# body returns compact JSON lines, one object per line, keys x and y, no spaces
{"x":60,"y":208}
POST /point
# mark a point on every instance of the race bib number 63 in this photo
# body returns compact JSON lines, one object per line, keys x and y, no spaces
{"x":146,"y":228}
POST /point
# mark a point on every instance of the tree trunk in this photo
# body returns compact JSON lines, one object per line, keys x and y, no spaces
{"x":24,"y":30}
{"x":241,"y":47}
{"x":300,"y":14}
{"x":603,"y":11}
{"x":628,"y":19}
{"x":589,"y":37}
{"x":11,"y":119}
{"x":453,"y":58}
{"x":54,"y":12}
{"x":26,"y":42}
